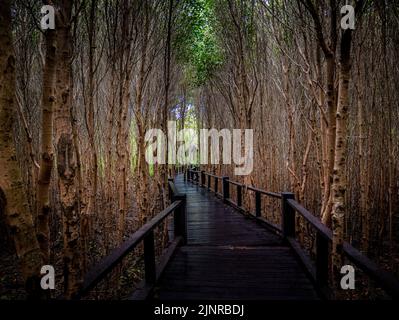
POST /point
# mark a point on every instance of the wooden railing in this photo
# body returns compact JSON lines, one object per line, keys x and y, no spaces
{"x":319,"y":270}
{"x":146,"y":235}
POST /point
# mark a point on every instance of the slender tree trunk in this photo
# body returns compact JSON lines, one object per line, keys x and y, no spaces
{"x":90,"y":119}
{"x":12,"y":192}
{"x":47,"y":155}
{"x":339,"y":186}
{"x":167,"y":61}
{"x":330,"y":141}
{"x":66,"y":155}
{"x":363,"y":176}
{"x":122,"y":157}
{"x":143,"y":186}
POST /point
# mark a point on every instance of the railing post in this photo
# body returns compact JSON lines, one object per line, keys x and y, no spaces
{"x":226,"y":188}
{"x":288,"y":215}
{"x":239,"y":195}
{"x":180,"y":220}
{"x":202,"y":178}
{"x":321,"y":260}
{"x":258,"y":204}
{"x":170,"y":189}
{"x":209,"y":182}
{"x":149,"y":258}
{"x":216,"y":185}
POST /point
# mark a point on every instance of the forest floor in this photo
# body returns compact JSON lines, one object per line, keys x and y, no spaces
{"x":118,"y":285}
{"x":11,"y":282}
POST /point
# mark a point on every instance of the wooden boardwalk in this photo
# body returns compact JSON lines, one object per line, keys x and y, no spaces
{"x":216,"y":253}
{"x":229,"y":256}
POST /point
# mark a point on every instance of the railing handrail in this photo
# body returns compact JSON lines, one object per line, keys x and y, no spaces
{"x":267,"y":193}
{"x":236,"y":183}
{"x":324,"y":235}
{"x":252,"y":188}
{"x":108,"y":263}
{"x":212,"y":175}
{"x":385,"y":279}
{"x":314,"y":221}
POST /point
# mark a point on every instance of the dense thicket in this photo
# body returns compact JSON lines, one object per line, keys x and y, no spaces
{"x":324,"y":106}
{"x":76,"y":102}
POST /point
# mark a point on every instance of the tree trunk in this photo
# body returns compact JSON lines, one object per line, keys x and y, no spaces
{"x":363,"y":176}
{"x":90,"y":112}
{"x":330,"y":141}
{"x":66,"y":155}
{"x":339,"y":179}
{"x":12,"y":192}
{"x":47,"y":156}
{"x":122,"y":142}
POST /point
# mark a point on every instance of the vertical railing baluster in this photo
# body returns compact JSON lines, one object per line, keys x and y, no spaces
{"x":321,"y":260}
{"x":180,"y":219}
{"x":288,"y":215}
{"x":170,"y":189}
{"x":149,"y":258}
{"x":226,"y":188}
{"x":258,"y":204}
{"x":239,"y":195}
